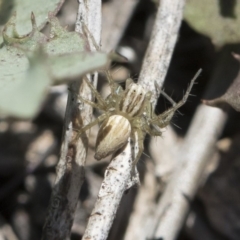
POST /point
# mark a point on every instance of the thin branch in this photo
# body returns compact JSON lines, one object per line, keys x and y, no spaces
{"x":154,"y":69}
{"x":169,"y":17}
{"x":145,"y":205}
{"x":167,"y":145}
{"x":115,"y":183}
{"x":199,"y":143}
{"x":161,"y":45}
{"x":117,"y":176}
{"x":70,"y":168}
{"x":193,"y":156}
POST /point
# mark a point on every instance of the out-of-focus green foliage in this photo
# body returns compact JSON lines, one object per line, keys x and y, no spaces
{"x":231,"y":96}
{"x":30,"y":63}
{"x":217,"y":19}
{"x":24,"y":8}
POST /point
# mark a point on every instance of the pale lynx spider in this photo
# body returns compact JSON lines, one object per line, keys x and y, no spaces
{"x":128,"y":113}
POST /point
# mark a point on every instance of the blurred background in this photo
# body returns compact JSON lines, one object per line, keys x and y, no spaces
{"x":29,"y":150}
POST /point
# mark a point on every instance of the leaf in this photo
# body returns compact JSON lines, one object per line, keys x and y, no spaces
{"x":24,"y":8}
{"x":232,"y":95}
{"x":22,"y":97}
{"x":25,"y":74}
{"x":217,"y":19}
{"x":69,"y":66}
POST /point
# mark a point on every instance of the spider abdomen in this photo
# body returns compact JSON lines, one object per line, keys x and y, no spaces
{"x":113,"y":134}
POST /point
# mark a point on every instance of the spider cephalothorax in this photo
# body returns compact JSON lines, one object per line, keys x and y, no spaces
{"x":128,"y":113}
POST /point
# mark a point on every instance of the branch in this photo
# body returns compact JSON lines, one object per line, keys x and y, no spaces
{"x":155,"y":66}
{"x":115,"y":183}
{"x":161,"y":45}
{"x":118,"y":174}
{"x":200,"y":140}
{"x":193,"y":157}
{"x":70,"y":168}
{"x":145,"y":203}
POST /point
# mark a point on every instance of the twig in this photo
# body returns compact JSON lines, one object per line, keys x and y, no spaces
{"x":117,"y":175}
{"x":107,"y":203}
{"x":115,"y":182}
{"x":155,"y":66}
{"x":167,"y":146}
{"x":70,"y":169}
{"x":145,"y":205}
{"x":199,"y":143}
{"x":161,"y":45}
{"x":193,"y":156}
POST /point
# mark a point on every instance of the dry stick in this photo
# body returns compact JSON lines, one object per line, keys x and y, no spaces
{"x":145,"y":206}
{"x":118,"y":174}
{"x":161,"y":45}
{"x":119,"y":170}
{"x":155,"y":66}
{"x":195,"y":151}
{"x":197,"y":148}
{"x":167,"y":146}
{"x":70,"y":168}
{"x":117,"y":177}
{"x":115,"y":182}
{"x":171,"y":214}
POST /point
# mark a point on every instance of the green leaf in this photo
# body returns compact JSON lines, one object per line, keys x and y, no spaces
{"x":23,"y":91}
{"x":26,"y":72}
{"x":24,"y":8}
{"x":231,"y":96}
{"x":69,"y":66}
{"x":219,"y":20}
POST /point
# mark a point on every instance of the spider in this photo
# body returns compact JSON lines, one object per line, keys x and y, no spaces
{"x":128,"y":113}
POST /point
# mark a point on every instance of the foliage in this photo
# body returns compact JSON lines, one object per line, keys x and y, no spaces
{"x":216,"y":19}
{"x":24,"y":8}
{"x":231,"y":97}
{"x":32,"y":62}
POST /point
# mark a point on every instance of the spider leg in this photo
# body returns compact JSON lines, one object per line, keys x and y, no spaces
{"x":89,"y":34}
{"x":98,"y":96}
{"x":92,"y":104}
{"x":147,"y":116}
{"x":128,"y":82}
{"x":165,"y":94}
{"x":111,"y":82}
{"x":163,"y":119}
{"x":168,"y":97}
{"x":91,"y":124}
{"x":109,"y":77}
{"x":166,"y":116}
{"x":154,"y":130}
